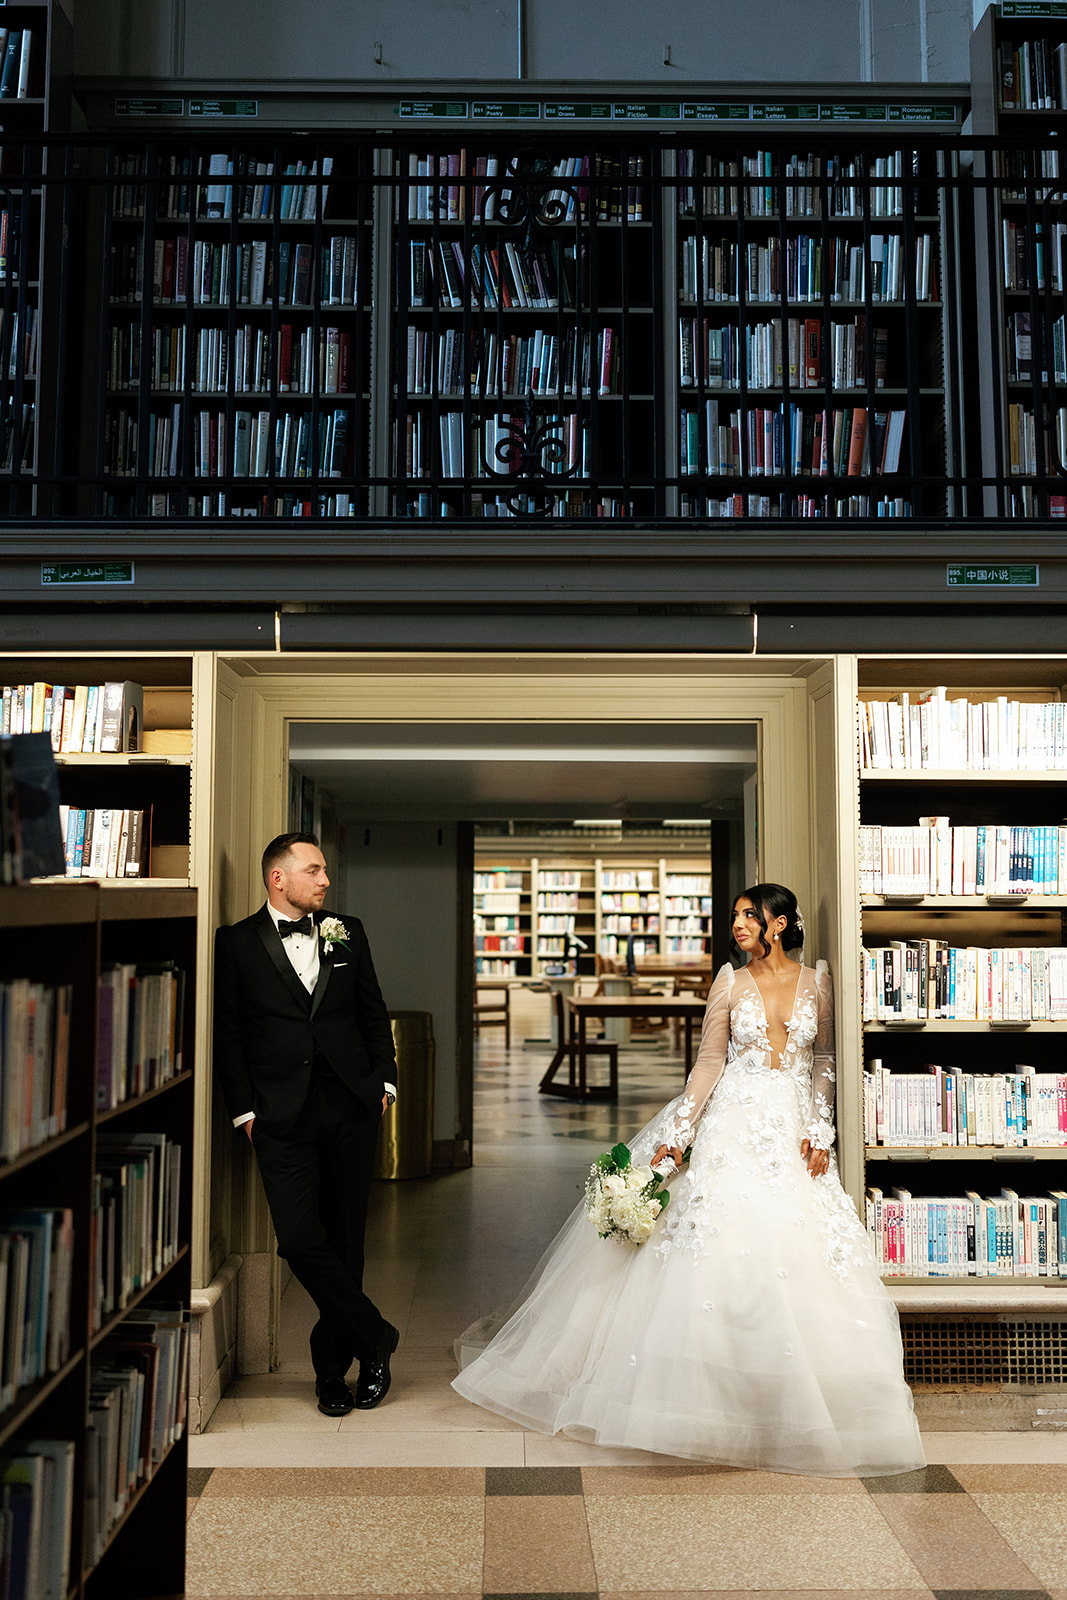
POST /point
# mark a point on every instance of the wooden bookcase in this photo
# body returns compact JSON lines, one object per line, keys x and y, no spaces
{"x":1019,"y":83}
{"x":971,"y":798}
{"x":65,"y":934}
{"x":808,"y":357}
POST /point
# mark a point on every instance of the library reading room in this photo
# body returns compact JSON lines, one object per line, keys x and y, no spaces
{"x":533,"y":757}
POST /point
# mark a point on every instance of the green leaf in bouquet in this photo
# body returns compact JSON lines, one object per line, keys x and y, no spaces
{"x":605,"y":1162}
{"x":664,"y":1198}
{"x":621,"y":1156}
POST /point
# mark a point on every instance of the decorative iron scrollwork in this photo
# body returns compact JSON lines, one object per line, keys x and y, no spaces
{"x":533,"y":456}
{"x":530,"y":195}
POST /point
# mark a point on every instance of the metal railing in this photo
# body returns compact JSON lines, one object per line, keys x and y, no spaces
{"x":661,"y":327}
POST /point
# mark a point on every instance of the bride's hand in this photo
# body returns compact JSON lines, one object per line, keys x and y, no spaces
{"x":818,"y":1160}
{"x":667,"y":1152}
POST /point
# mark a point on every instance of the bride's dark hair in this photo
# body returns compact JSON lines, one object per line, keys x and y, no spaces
{"x":778,"y":901}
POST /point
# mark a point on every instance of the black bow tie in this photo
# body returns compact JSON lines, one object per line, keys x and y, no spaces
{"x":305,"y":925}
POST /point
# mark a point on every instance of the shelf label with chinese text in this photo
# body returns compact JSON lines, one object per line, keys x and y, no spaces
{"x":995,"y":575}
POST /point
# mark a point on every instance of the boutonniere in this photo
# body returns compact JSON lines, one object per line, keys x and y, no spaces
{"x":333,"y":931}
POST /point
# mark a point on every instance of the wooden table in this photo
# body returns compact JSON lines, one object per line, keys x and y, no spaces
{"x":689,"y":1007}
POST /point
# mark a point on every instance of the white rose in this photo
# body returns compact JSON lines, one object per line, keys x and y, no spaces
{"x":613,"y":1184}
{"x":638,"y":1177}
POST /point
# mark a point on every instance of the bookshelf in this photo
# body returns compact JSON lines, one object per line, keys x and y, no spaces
{"x":156,"y":780}
{"x":235,"y":331}
{"x":564,"y":911}
{"x":1019,"y":79}
{"x":525,"y":335}
{"x":962,"y":884}
{"x":35,"y":69}
{"x":121,"y":1310}
{"x":809,"y":349}
{"x":502,"y":921}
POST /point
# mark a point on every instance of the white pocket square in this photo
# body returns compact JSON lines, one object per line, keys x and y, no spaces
{"x":338,"y":965}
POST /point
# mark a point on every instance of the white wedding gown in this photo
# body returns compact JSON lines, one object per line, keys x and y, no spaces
{"x":753,"y":1329}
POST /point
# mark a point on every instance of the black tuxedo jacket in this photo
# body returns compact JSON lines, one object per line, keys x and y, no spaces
{"x":268,"y":1027}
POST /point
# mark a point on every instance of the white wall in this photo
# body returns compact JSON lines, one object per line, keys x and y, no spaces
{"x":401,"y":879}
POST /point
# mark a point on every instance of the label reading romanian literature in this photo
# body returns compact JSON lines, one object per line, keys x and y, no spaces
{"x":994,"y":575}
{"x":493,"y":110}
{"x":81,"y":572}
{"x":572,"y":110}
{"x":935,"y":113}
{"x":852,"y":111}
{"x":646,"y":110}
{"x":777,"y":111}
{"x":135,"y":107}
{"x":433,"y":108}
{"x":224,"y":108}
{"x":714,"y":111}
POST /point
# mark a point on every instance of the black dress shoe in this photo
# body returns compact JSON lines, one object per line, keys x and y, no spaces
{"x":372,"y":1385}
{"x":335,"y":1397}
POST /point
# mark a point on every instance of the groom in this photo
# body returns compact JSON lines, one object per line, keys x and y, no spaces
{"x":305,"y":1057}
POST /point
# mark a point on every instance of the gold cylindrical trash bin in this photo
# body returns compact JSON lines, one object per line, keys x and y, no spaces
{"x":405,"y":1138}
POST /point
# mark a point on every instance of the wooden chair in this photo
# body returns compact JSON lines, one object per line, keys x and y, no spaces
{"x":567,"y":1051}
{"x":493,"y":1011}
{"x":698,"y":984}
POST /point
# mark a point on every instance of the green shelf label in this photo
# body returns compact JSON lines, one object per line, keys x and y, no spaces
{"x":492,"y":110}
{"x":149,"y":108}
{"x":81,"y":572}
{"x":935,"y":113}
{"x":777,"y":111}
{"x":572,"y":110}
{"x":1033,"y":8}
{"x":224,"y":108}
{"x":433,"y":108}
{"x":852,"y":111}
{"x":646,"y":110}
{"x":713,"y":111}
{"x":993,"y":575}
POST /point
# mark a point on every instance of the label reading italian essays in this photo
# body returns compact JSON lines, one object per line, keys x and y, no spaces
{"x":224,"y":108}
{"x":983,"y":575}
{"x":713,"y":111}
{"x":68,"y":572}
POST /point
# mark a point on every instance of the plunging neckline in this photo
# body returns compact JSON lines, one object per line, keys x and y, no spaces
{"x":766,"y":1021}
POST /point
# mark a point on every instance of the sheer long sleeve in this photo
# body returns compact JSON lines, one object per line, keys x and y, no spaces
{"x":710,"y":1061}
{"x":823,"y":1075}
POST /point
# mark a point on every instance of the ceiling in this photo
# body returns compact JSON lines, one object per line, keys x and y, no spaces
{"x":489,"y":771}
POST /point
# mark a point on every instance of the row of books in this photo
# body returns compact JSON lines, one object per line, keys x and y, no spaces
{"x":10,"y":241}
{"x":944,"y":1106}
{"x":1033,"y":75}
{"x":575,"y":503}
{"x":557,"y":900}
{"x":932,"y":730}
{"x":17,"y":445}
{"x":495,"y":967}
{"x":927,"y":979}
{"x":680,"y":925}
{"x":83,"y":718}
{"x":136,"y":1198}
{"x":294,"y":445}
{"x":451,"y":187}
{"x":951,"y":1236}
{"x":795,"y":506}
{"x":500,"y":878}
{"x":499,"y":943}
{"x":715,"y":186}
{"x":711,"y":355}
{"x":1026,"y":455}
{"x":203,"y":273}
{"x":1022,"y":170}
{"x":17,"y":50}
{"x":617,"y":946}
{"x":513,"y":276}
{"x":843,"y":271}
{"x":936,"y":858}
{"x":137,"y":1411}
{"x":19,"y":341}
{"x":223,"y":505}
{"x":784,"y":441}
{"x":36,"y":1264}
{"x":305,"y":363}
{"x":34,"y":1061}
{"x":625,"y":923}
{"x":541,"y":364}
{"x":628,"y":900}
{"x":493,"y":449}
{"x":140,"y":1026}
{"x":246,"y":183}
{"x":36,"y":1512}
{"x":552,"y":923}
{"x":1030,"y":255}
{"x":105,"y":842}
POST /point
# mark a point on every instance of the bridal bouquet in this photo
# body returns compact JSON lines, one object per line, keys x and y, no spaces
{"x":623,"y":1200}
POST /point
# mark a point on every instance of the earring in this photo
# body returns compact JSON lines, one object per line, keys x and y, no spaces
{"x":776,"y":938}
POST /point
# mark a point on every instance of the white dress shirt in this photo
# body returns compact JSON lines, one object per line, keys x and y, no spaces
{"x":302,"y":950}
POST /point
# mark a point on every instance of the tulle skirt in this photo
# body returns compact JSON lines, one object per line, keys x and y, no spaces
{"x":752,"y":1331}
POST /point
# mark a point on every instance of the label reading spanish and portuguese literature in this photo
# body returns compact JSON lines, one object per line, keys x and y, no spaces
{"x":81,"y":572}
{"x":493,"y":110}
{"x":986,"y":575}
{"x":149,"y":108}
{"x":1033,"y":8}
{"x":776,"y":111}
{"x":646,"y":110}
{"x":572,"y":110}
{"x":224,"y":108}
{"x":852,"y":111}
{"x":713,"y":111}
{"x":433,"y":108}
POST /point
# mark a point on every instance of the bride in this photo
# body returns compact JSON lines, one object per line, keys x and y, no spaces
{"x":753,"y":1329}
